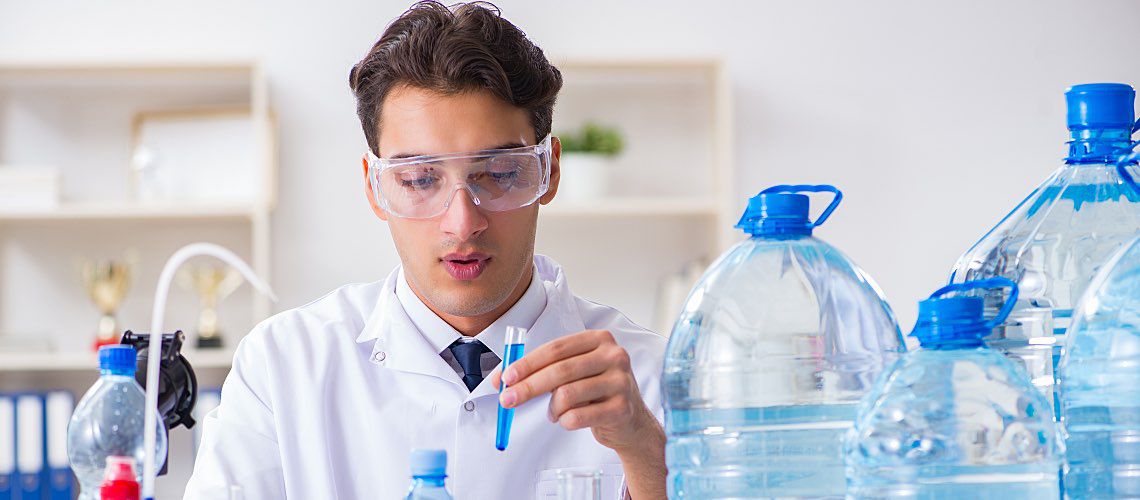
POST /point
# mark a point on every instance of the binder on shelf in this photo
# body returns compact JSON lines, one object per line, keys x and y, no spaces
{"x":7,"y":447}
{"x":29,"y":446}
{"x":58,"y":406}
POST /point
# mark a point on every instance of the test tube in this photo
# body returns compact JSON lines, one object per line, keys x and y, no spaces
{"x":513,"y":348}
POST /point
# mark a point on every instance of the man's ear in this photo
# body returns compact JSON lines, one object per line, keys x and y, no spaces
{"x":555,"y":171}
{"x":370,"y":193}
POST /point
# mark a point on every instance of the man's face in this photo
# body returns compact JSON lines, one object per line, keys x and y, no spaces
{"x":465,"y":262}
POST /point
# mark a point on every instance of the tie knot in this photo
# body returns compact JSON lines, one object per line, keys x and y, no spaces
{"x":468,"y":355}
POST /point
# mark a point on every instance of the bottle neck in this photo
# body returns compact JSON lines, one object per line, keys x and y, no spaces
{"x":105,"y":373}
{"x":949,"y":336}
{"x":1098,"y":145}
{"x":428,"y":481}
{"x":793,"y":234}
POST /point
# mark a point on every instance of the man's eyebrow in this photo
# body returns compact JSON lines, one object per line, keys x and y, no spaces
{"x":509,"y":145}
{"x":413,"y":154}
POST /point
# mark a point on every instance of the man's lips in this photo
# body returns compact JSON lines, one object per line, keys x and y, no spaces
{"x":465,"y":266}
{"x":465,"y":257}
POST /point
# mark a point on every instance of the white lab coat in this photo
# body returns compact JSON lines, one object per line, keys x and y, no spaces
{"x":327,"y":400}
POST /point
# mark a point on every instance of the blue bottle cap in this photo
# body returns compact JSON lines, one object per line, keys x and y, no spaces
{"x":429,"y":462}
{"x":779,"y":210}
{"x":959,"y":321}
{"x":1100,"y":106}
{"x":946,"y":320}
{"x":117,"y":359}
{"x":776,"y":213}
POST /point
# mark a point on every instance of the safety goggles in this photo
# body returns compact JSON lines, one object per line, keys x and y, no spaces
{"x":422,"y":187}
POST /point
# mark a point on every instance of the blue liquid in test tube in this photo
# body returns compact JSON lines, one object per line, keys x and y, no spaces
{"x":513,"y":349}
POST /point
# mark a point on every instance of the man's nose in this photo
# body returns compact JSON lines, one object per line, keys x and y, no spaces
{"x":462,"y":217}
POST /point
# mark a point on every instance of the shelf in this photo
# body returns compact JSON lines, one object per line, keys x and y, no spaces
{"x":83,"y":361}
{"x":72,"y":76}
{"x":131,"y":211}
{"x":632,"y":207}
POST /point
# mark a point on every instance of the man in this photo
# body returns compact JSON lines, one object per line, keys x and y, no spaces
{"x":327,"y":400}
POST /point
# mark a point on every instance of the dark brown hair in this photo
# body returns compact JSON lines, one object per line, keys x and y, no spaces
{"x":453,"y":50}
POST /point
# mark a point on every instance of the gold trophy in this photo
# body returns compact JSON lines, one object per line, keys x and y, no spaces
{"x":107,"y":283}
{"x":212,"y":284}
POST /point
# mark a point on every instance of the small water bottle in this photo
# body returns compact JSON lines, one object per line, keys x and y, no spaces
{"x":955,"y":419}
{"x":1100,"y":384}
{"x":429,"y":469}
{"x":108,"y":422}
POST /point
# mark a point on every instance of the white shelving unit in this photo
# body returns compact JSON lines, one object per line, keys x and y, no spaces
{"x":80,"y":118}
{"x":670,"y":201}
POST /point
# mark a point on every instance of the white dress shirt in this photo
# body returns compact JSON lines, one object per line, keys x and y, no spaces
{"x":441,"y":335}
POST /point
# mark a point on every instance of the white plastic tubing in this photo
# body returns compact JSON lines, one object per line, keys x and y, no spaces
{"x":150,"y":469}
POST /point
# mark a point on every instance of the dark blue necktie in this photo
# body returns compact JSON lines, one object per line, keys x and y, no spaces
{"x":468,"y":354}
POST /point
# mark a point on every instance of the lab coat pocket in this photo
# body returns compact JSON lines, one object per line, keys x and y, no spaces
{"x":612,"y":477}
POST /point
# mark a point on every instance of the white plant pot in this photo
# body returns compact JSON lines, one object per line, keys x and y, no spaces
{"x":585,"y":176}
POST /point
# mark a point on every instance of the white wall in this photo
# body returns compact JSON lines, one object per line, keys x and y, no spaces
{"x":934,"y":117}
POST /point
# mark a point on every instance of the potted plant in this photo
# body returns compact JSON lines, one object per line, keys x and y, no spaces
{"x":587,"y":159}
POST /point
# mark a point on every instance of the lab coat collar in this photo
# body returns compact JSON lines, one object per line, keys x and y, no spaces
{"x":396,"y":341}
{"x":388,"y":327}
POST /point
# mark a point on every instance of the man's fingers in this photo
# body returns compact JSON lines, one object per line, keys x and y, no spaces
{"x":616,"y":408}
{"x":559,"y":349}
{"x":584,"y":392}
{"x":495,"y":377}
{"x":552,"y":376}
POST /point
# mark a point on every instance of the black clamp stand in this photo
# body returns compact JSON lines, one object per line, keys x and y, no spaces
{"x":177,"y":385}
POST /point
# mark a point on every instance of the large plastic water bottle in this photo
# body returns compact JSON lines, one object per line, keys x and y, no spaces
{"x":1100,"y":384}
{"x":1055,"y":241}
{"x":429,"y":469}
{"x":108,"y":421}
{"x":955,"y":419}
{"x":766,"y":364}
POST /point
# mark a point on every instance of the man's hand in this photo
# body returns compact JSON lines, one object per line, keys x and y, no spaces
{"x":592,"y":385}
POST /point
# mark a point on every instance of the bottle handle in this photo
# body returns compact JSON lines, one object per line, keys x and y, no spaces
{"x":996,"y":282}
{"x":811,"y":188}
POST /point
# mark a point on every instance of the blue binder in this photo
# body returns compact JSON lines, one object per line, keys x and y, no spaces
{"x":29,"y":447}
{"x":7,"y":447}
{"x":60,"y":482}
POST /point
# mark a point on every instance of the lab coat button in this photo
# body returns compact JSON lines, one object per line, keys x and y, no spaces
{"x":469,"y":406}
{"x":379,"y":356}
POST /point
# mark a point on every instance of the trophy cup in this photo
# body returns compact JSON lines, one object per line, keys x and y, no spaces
{"x":211,"y":284}
{"x":107,"y":283}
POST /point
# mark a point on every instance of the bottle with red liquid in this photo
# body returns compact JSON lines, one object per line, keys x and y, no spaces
{"x":119,"y":480}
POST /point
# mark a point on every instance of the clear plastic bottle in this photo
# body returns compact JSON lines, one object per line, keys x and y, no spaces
{"x":1100,"y":384}
{"x":108,"y":421}
{"x":429,"y":469}
{"x":1055,"y":241}
{"x":955,"y":418}
{"x":767,"y":362}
